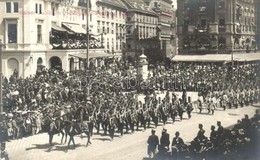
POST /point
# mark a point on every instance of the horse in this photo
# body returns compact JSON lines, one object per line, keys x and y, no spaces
{"x":73,"y":128}
{"x":46,"y":127}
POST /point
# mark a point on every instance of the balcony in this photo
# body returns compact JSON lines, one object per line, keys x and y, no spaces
{"x":201,"y":29}
{"x":221,"y":28}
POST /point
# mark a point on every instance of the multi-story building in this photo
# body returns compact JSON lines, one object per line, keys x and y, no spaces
{"x":166,"y":25}
{"x":53,"y":33}
{"x":216,"y":26}
{"x":111,"y":15}
{"x":141,"y":30}
{"x":257,"y":6}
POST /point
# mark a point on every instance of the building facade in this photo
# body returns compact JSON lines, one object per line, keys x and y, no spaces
{"x":216,"y":26}
{"x":111,"y":23}
{"x":166,"y":26}
{"x":141,"y":30}
{"x":257,"y":6}
{"x":52,"y":33}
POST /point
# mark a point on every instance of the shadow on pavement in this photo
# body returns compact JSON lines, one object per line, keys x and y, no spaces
{"x":66,"y":148}
{"x":102,"y":139}
{"x":40,"y":146}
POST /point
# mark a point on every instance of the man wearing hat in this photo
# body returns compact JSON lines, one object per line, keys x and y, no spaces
{"x":177,"y":145}
{"x":4,"y":154}
{"x":164,"y":142}
{"x":189,"y":107}
{"x":153,"y":142}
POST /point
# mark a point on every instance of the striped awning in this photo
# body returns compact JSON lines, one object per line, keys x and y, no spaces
{"x":74,"y":27}
{"x":58,"y":28}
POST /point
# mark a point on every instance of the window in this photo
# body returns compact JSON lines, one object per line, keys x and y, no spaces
{"x":107,"y":43}
{"x":40,"y":8}
{"x":222,"y":43}
{"x":36,"y":8}
{"x":12,"y":33}
{"x":16,"y":8}
{"x":39,"y":33}
{"x":112,"y":15}
{"x":203,"y":23}
{"x":103,"y":30}
{"x":112,"y":43}
{"x":83,"y":15}
{"x":117,"y":45}
{"x":128,"y":46}
{"x":107,"y":14}
{"x":103,"y":12}
{"x":53,"y":9}
{"x":8,"y":7}
{"x":128,"y":19}
{"x":112,"y":28}
{"x":222,"y":25}
{"x":107,"y":30}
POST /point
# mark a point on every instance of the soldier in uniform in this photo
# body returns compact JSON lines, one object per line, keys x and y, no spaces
{"x":133,"y":119}
{"x":146,"y":117}
{"x":112,"y":126}
{"x":180,"y":108}
{"x":174,"y":107}
{"x":189,"y":107}
{"x":120,"y":121}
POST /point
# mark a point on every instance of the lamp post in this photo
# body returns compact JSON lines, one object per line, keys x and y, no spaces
{"x":87,"y":30}
{"x":87,"y":53}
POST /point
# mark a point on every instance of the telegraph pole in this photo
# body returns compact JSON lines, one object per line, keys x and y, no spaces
{"x":87,"y":29}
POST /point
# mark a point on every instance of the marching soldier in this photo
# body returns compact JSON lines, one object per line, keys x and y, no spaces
{"x":133,"y":120}
{"x":181,"y":108}
{"x":189,"y":107}
{"x":242,"y":98}
{"x":112,"y":126}
{"x":146,"y":117}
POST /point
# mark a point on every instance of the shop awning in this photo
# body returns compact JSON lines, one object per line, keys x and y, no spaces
{"x":92,"y":55}
{"x":247,"y":57}
{"x":202,"y":58}
{"x":218,"y":57}
{"x":74,"y":27}
{"x":58,"y":28}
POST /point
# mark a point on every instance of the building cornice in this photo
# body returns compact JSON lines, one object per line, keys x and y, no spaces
{"x":112,"y":4}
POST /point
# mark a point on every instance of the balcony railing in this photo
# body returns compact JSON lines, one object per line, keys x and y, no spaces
{"x":221,"y":28}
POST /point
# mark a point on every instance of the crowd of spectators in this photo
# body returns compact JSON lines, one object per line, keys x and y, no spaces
{"x":52,"y":91}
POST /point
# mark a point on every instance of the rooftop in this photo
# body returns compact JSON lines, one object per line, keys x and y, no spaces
{"x":139,"y":5}
{"x":117,"y":3}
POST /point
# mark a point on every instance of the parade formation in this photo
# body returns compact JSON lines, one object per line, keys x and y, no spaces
{"x":57,"y":102}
